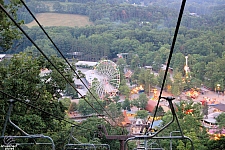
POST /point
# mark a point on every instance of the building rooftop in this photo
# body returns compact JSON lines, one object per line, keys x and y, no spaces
{"x":2,"y":56}
{"x":87,"y":63}
{"x":220,"y":106}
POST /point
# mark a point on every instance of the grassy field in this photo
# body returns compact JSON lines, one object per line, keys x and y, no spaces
{"x":56,"y":19}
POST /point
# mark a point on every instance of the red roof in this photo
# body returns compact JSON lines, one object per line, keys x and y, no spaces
{"x":126,"y":121}
{"x":151,"y":105}
{"x":128,"y":74}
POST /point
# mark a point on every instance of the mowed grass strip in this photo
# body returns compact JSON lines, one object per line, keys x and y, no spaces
{"x":57,"y":19}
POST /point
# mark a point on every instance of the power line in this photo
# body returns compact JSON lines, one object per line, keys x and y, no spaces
{"x":66,"y":60}
{"x":41,"y":110}
{"x":47,"y":58}
{"x":169,"y":59}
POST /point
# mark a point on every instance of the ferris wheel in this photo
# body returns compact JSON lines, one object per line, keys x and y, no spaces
{"x":108,"y":78}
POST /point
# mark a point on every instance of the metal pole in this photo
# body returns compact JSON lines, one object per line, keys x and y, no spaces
{"x":11,"y":102}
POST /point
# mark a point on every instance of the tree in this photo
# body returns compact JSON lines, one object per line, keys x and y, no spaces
{"x":221,"y":121}
{"x":69,"y":91}
{"x":147,"y":79}
{"x":216,"y":144}
{"x":143,"y":100}
{"x":189,"y":115}
{"x":21,"y":77}
{"x":178,"y":84}
{"x":142,"y":114}
{"x":91,"y":103}
{"x":73,"y":107}
{"x":160,"y":112}
{"x":126,"y":104}
{"x":157,"y":63}
{"x":135,"y":62}
{"x":43,"y":44}
{"x":136,"y":103}
{"x":168,"y":81}
{"x":92,"y":123}
{"x":8,"y":30}
{"x":178,"y":61}
{"x":140,"y":102}
{"x":121,"y":63}
{"x":66,"y":102}
{"x":124,"y":89}
{"x":89,"y":106}
{"x":198,"y":144}
{"x":115,"y":114}
{"x":205,"y":109}
{"x":57,"y":7}
{"x":84,"y":108}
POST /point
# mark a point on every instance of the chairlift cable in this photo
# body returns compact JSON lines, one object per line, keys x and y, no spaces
{"x":66,"y":61}
{"x":41,"y":110}
{"x":47,"y":58}
{"x":169,"y":59}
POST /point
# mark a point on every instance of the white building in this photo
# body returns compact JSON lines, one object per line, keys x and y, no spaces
{"x":2,"y":56}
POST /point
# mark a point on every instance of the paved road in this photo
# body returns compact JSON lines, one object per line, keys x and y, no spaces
{"x":220,"y":98}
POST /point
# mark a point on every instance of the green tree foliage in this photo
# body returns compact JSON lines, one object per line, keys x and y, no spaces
{"x":69,"y":91}
{"x":196,"y":141}
{"x":8,"y":30}
{"x":90,"y":105}
{"x":45,"y":45}
{"x":160,"y":112}
{"x":189,"y":115}
{"x":85,"y":136}
{"x":178,"y":84}
{"x":168,"y":81}
{"x":144,"y":43}
{"x":140,"y":102}
{"x":178,"y":61}
{"x":221,"y":121}
{"x":114,"y":114}
{"x":143,"y":100}
{"x":124,"y":88}
{"x":142,"y":114}
{"x":21,"y":77}
{"x":66,"y":102}
{"x":73,"y":107}
{"x":121,"y":63}
{"x":217,"y":144}
{"x":147,"y":79}
{"x":126,"y":104}
{"x":84,"y":108}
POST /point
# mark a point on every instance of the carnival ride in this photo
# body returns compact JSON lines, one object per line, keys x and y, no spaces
{"x":192,"y":93}
{"x":108,"y":76}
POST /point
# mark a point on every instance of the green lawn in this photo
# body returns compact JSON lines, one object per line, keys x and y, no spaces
{"x":57,"y":19}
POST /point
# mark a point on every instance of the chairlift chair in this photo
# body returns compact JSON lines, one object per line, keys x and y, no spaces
{"x":154,"y":135}
{"x":10,"y":141}
{"x":82,"y":146}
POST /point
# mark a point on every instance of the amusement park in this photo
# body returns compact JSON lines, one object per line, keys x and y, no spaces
{"x":105,"y":77}
{"x":111,"y":75}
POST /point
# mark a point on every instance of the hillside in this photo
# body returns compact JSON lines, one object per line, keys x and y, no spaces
{"x":57,"y":19}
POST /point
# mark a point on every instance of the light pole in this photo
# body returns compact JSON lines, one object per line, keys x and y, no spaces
{"x":186,"y":68}
{"x":218,"y":89}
